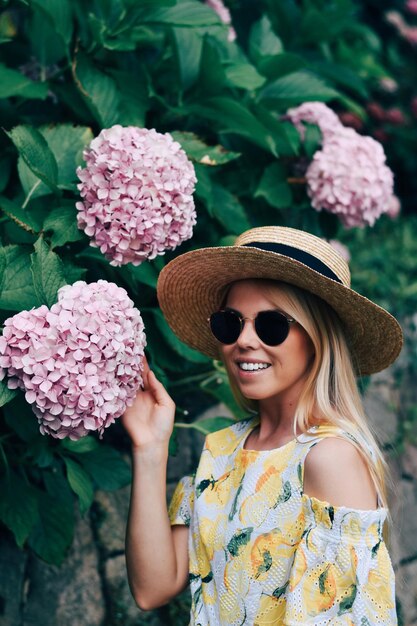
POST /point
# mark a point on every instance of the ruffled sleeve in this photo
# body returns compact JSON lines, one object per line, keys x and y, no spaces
{"x":342,"y":573}
{"x":182,"y":502}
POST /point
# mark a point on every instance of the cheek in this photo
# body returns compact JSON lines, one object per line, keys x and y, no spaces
{"x":304,"y":349}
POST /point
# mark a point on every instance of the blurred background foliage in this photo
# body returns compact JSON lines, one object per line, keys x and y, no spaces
{"x":69,"y":68}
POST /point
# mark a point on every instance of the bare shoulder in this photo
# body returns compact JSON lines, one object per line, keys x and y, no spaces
{"x":336,"y":472}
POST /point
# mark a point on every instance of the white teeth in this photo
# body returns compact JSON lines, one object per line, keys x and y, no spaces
{"x":253,"y":366}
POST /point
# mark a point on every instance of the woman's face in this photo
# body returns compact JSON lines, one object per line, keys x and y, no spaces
{"x":287,"y":364}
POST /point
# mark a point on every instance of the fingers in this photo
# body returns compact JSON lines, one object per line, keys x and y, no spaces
{"x":160,"y":394}
{"x":145,"y":372}
{"x":145,"y":364}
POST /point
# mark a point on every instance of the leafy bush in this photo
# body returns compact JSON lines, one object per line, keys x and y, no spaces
{"x":69,"y":68}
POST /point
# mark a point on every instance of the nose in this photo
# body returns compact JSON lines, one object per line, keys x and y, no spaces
{"x":248,"y":337}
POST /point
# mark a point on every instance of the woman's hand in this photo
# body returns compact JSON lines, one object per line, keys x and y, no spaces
{"x":150,"y":420}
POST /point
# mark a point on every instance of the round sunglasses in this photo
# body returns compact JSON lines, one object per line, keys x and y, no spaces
{"x":272,"y":327}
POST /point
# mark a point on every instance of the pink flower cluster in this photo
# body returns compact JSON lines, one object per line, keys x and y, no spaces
{"x":224,"y":14}
{"x":137,"y":194}
{"x":80,"y":362}
{"x":314,"y":113}
{"x":340,"y":248}
{"x":411,"y":5}
{"x":407,"y":32}
{"x":348,"y":176}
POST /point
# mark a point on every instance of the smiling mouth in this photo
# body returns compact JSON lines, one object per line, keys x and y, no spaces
{"x":252,"y":367}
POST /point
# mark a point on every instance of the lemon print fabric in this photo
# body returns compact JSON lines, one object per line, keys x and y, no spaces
{"x":264,"y":553}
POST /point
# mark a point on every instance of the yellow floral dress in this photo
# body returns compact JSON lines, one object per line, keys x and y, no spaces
{"x":263,"y":552}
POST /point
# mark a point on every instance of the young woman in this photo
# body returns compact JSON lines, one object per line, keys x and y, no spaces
{"x":283,"y":522}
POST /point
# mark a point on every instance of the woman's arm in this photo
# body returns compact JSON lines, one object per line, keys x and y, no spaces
{"x":341,"y":570}
{"x":334,"y":471}
{"x":156,"y":553}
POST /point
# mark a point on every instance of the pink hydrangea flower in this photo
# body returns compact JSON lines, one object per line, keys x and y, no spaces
{"x":340,"y":248}
{"x":80,"y":362}
{"x":395,"y":208}
{"x":137,"y":194}
{"x":349,"y":177}
{"x":224,"y":14}
{"x":409,"y":33}
{"x":314,"y":113}
{"x":411,"y":5}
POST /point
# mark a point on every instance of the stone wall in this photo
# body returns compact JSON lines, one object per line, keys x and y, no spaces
{"x":90,"y":588}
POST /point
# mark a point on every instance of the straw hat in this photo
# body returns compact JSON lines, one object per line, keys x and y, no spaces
{"x":193,"y":285}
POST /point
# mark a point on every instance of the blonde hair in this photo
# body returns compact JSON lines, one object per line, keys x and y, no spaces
{"x":330,"y":395}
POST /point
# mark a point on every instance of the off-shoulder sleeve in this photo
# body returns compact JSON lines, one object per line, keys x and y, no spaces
{"x":182,"y":502}
{"x":342,"y":573}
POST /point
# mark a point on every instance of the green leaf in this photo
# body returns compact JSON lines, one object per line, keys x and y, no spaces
{"x":18,"y":291}
{"x":134,"y":96}
{"x":285,"y":18}
{"x":86,"y":444}
{"x":228,"y":210}
{"x":47,"y":271}
{"x":245,"y":76}
{"x":281,"y":64}
{"x":14,"y":83}
{"x":187,"y":13}
{"x":60,"y":15}
{"x":3,"y":265}
{"x":21,"y":419}
{"x":212,"y":77}
{"x":80,"y":483}
{"x":263,"y":42}
{"x":18,"y":506}
{"x":342,"y":75}
{"x":274,"y":188}
{"x":188,"y":47}
{"x":40,"y":452}
{"x":35,"y":152}
{"x":67,"y":143}
{"x":99,"y":91}
{"x":73,"y":272}
{"x":145,"y":273}
{"x":107,"y":467}
{"x":47,"y":47}
{"x":62,"y":222}
{"x":298,"y":87}
{"x":31,"y":184}
{"x":233,"y":117}
{"x":200,"y":152}
{"x":283,"y":133}
{"x":19,"y":216}
{"x":53,"y":533}
{"x":6,"y":394}
{"x":174,"y":343}
{"x":212,"y":424}
{"x":5,"y":170}
{"x":312,"y":139}
{"x":319,"y":25}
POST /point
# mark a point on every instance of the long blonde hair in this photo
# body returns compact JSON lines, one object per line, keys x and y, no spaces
{"x":330,"y":395}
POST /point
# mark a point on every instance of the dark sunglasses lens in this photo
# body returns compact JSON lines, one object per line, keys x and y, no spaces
{"x":272,"y":327}
{"x":225,"y":326}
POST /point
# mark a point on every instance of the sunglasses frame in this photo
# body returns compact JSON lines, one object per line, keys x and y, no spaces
{"x":242,"y":321}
